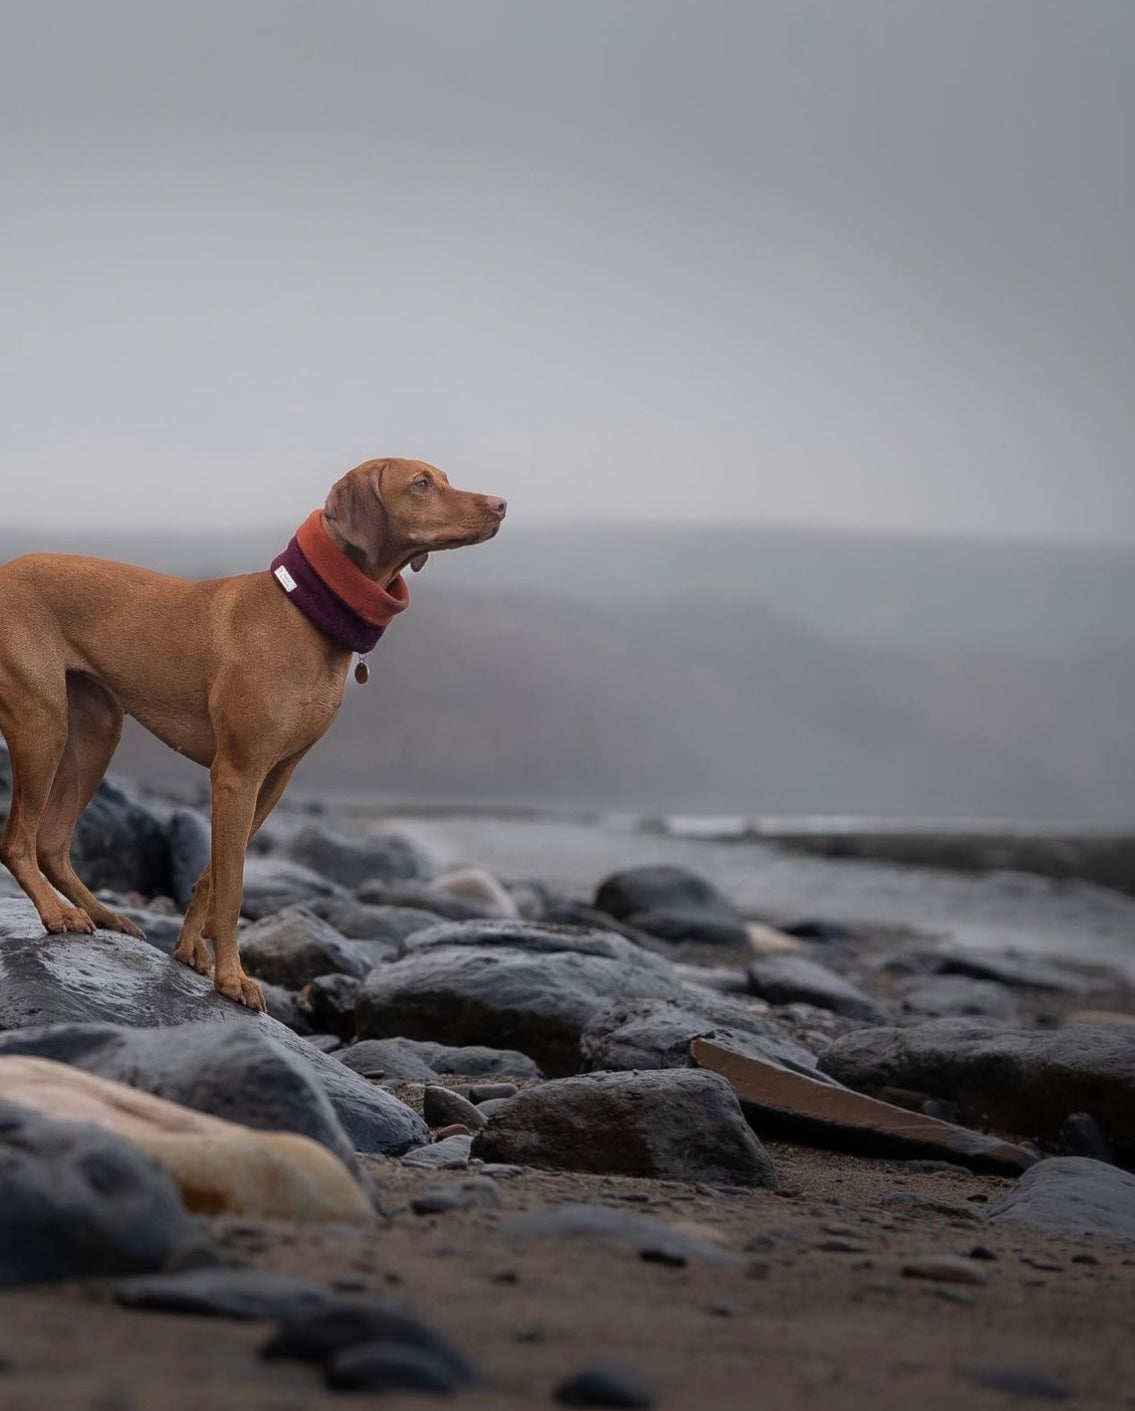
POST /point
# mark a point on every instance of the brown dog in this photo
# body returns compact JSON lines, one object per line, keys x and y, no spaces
{"x":235,"y":673}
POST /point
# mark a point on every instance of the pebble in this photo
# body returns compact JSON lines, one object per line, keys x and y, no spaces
{"x":383,"y":1366}
{"x":1018,"y":1381}
{"x":945,"y":1269}
{"x":605,"y":1384}
{"x":449,"y":1154}
{"x":492,"y":1092}
{"x":443,"y":1108}
{"x":223,"y":1293}
{"x":473,"y":1193}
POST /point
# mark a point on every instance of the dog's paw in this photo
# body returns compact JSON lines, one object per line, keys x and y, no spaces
{"x":193,"y":951}
{"x":243,"y":989}
{"x":69,"y":920}
{"x":124,"y":926}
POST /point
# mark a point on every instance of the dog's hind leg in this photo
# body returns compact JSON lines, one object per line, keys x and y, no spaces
{"x":94,"y":728}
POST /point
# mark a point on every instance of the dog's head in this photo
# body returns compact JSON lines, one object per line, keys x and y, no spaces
{"x":398,"y":512}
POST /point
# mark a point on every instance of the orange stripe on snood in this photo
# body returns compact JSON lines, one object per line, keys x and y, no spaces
{"x":348,"y":582}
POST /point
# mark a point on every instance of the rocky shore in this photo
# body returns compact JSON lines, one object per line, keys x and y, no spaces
{"x":632,"y":1144}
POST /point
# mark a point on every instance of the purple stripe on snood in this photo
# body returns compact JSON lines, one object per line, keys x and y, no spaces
{"x":322,"y":608}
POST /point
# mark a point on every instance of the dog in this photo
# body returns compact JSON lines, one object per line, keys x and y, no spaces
{"x":242,"y":675}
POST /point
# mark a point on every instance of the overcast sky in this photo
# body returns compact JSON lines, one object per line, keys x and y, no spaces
{"x":846,"y":263}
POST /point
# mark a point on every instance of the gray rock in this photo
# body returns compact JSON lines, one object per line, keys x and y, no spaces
{"x":243,"y":1294}
{"x":600,"y":1223}
{"x":471,"y":1060}
{"x":654,"y":1033}
{"x":533,"y":988}
{"x":329,"y":1005}
{"x":1072,"y":1196}
{"x":449,"y":1155}
{"x":382,"y":1367}
{"x":442,"y":1108}
{"x":676,"y":1124}
{"x":956,"y":996}
{"x":416,"y":896}
{"x":120,"y":844}
{"x":606,"y":1384}
{"x":111,"y":980}
{"x":360,"y":922}
{"x":1019,"y":971}
{"x":387,"y":857}
{"x":78,"y":1202}
{"x":162,"y":928}
{"x":273,"y":883}
{"x":491,"y":1092}
{"x":1015,"y":1080}
{"x":1081,"y":1135}
{"x":294,"y":947}
{"x":473,"y":1193}
{"x":787,"y":979}
{"x":190,"y":847}
{"x":493,"y":1105}
{"x":284,"y":1005}
{"x":639,"y":889}
{"x":1018,"y":1381}
{"x":377,"y":1059}
{"x":325,"y":1043}
{"x":697,"y":928}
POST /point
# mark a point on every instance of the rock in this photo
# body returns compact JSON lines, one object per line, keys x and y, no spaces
{"x":440,"y":1107}
{"x":219,"y":1167}
{"x":1018,"y":1381}
{"x":417,"y":896}
{"x":285,"y":1006}
{"x":161,"y":929}
{"x":531,"y":987}
{"x":325,"y":1332}
{"x":639,"y":889}
{"x":113,"y":981}
{"x":388,"y":857}
{"x":273,"y":883}
{"x":190,"y":848}
{"x":120,"y":844}
{"x":244,"y":1294}
{"x":605,"y":1384}
{"x":1072,"y":1196}
{"x":328,"y":1005}
{"x":325,"y":1043}
{"x":377,"y":1059}
{"x":79,"y":1202}
{"x":492,"y":1092}
{"x":956,"y":996}
{"x":1081,"y":1135}
{"x":675,"y":1124}
{"x":777,"y":1098}
{"x":705,"y":977}
{"x":1021,"y":972}
{"x":811,"y":929}
{"x":382,"y":1367}
{"x":1015,"y":1080}
{"x":768,"y":940}
{"x":473,"y":1193}
{"x":472,"y":1060}
{"x":474,"y":884}
{"x":945,"y":1269}
{"x":451,"y":1154}
{"x":359,"y":922}
{"x":294,"y":947}
{"x":785,"y":979}
{"x":645,"y":1233}
{"x":493,"y":1105}
{"x":694,"y":927}
{"x":657,"y":1033}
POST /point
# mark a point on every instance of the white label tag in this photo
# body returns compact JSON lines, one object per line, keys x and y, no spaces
{"x":287,"y":582}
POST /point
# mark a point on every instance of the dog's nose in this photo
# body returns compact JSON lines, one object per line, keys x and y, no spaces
{"x":496,"y":506}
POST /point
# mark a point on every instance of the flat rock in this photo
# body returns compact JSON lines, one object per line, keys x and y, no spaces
{"x":674,"y":1124}
{"x":1007,"y":967}
{"x":359,"y":921}
{"x":657,"y":1033}
{"x":1072,"y":1196}
{"x":1025,"y":1382}
{"x":449,"y":1154}
{"x":378,"y":1059}
{"x":642,"y":889}
{"x":956,"y":997}
{"x":350,"y":861}
{"x":472,"y":1060}
{"x":646,"y":1234}
{"x":945,"y":1269}
{"x":294,"y":947}
{"x":81,"y":1202}
{"x":273,"y":883}
{"x":532,"y":988}
{"x":245,"y":1294}
{"x":694,"y":927}
{"x":1025,"y":1081}
{"x":473,"y":1193}
{"x":115,"y":982}
{"x":784,"y":978}
{"x":382,"y":1367}
{"x":830,"y":1115}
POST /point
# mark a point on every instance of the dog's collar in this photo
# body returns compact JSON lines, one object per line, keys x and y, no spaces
{"x":334,"y":594}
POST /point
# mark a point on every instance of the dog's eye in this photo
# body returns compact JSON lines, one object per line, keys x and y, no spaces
{"x":422,"y":483}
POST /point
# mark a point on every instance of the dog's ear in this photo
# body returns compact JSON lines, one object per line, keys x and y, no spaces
{"x":355,"y":508}
{"x":418,"y":562}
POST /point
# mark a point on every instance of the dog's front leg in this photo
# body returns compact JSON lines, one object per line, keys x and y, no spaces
{"x":235,"y":792}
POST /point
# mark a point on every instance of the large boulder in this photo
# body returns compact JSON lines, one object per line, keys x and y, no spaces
{"x":507,"y":983}
{"x":657,"y":1033}
{"x":1072,"y":1196}
{"x":293,"y":947}
{"x":663,"y":888}
{"x":784,"y":978}
{"x":79,"y":1202}
{"x":1024,"y":1081}
{"x":111,"y":980}
{"x":680,"y":1125}
{"x":387,"y":857}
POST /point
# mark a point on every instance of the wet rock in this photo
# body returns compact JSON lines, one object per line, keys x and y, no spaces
{"x":945,"y":1269}
{"x":600,"y":1223}
{"x":956,"y":996}
{"x":472,"y":1060}
{"x":328,"y":1005}
{"x":639,"y":889}
{"x":605,"y":1384}
{"x":294,"y":947}
{"x":674,"y":1124}
{"x":387,"y":857}
{"x":80,"y":1202}
{"x":450,"y":1154}
{"x":697,"y":928}
{"x":120,"y":844}
{"x":1072,"y":1196}
{"x":440,"y":1107}
{"x":657,"y":1033}
{"x":273,"y":883}
{"x":243,"y":1294}
{"x":530,"y":987}
{"x":378,"y":1059}
{"x":1015,"y":1080}
{"x":161,"y":928}
{"x":473,"y":1193}
{"x":1024,"y":1382}
{"x":785,"y":979}
{"x":190,"y":846}
{"x":358,"y":921}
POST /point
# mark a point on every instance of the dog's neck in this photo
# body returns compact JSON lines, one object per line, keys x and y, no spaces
{"x":384,"y":572}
